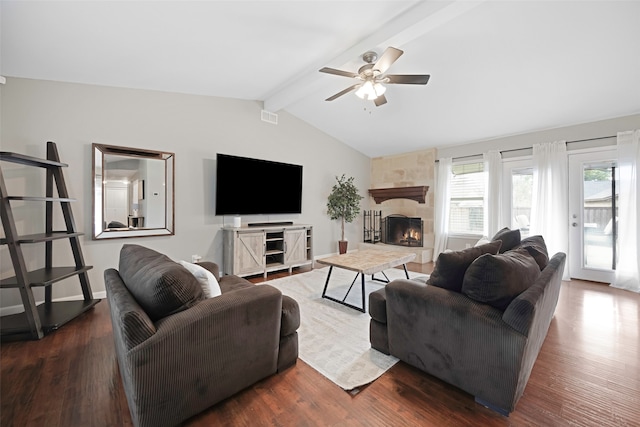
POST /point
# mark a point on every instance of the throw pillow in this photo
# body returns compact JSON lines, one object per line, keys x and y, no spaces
{"x":161,"y":286}
{"x":483,"y":241}
{"x":450,"y":267}
{"x":497,"y":279}
{"x":210,"y":286}
{"x":509,"y":238}
{"x":537,"y":248}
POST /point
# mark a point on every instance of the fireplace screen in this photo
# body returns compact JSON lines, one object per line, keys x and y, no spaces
{"x":402,"y":230}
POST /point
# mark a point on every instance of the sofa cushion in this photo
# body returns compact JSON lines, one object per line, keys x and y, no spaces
{"x":160,"y":285}
{"x":497,"y":279}
{"x":208,"y":282}
{"x":537,"y":248}
{"x":509,"y":238}
{"x":450,"y":267}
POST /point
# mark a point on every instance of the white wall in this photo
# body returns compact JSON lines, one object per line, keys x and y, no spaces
{"x":195,"y":128}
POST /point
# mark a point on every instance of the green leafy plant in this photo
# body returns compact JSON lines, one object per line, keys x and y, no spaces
{"x":344,"y":201}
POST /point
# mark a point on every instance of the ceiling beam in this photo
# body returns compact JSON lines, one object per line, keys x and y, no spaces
{"x":413,"y":23}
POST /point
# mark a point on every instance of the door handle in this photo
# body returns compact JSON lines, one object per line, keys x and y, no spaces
{"x":574,"y":224}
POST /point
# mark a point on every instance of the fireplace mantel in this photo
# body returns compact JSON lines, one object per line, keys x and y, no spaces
{"x":417,"y":193}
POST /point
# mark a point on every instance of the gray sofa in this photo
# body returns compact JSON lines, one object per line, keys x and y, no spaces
{"x":180,"y":353}
{"x":477,"y":342}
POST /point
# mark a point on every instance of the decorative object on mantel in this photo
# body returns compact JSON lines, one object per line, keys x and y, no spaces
{"x":417,"y":193}
{"x":344,"y":204}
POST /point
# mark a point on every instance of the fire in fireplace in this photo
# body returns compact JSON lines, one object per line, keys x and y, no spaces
{"x":401,"y":230}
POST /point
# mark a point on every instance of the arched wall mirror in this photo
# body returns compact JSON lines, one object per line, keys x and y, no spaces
{"x":133,"y":192}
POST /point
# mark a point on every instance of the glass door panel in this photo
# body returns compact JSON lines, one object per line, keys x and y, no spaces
{"x":593,"y":213}
{"x":521,"y":196}
{"x":599,"y":203}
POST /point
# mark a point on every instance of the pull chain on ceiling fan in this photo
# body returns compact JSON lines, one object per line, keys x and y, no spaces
{"x":373,"y":80}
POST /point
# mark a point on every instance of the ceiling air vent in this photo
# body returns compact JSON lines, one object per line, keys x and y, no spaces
{"x":269,"y":117}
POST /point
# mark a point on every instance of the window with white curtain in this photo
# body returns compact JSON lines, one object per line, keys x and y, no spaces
{"x":521,"y":197}
{"x":518,"y":189}
{"x":466,"y":214}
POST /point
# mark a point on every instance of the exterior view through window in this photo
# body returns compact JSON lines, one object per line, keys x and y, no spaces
{"x":466,"y":214}
{"x":521,"y":197}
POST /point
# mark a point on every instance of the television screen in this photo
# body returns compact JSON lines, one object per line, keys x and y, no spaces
{"x":247,"y":186}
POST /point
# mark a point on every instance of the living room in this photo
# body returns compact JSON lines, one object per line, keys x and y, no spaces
{"x":195,"y":127}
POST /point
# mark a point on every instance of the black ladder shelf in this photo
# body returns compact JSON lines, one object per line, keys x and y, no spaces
{"x":38,"y":320}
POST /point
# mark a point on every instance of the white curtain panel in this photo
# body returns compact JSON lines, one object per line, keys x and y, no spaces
{"x":550,"y":206}
{"x":443,"y":194}
{"x":493,"y":193}
{"x":628,"y":266}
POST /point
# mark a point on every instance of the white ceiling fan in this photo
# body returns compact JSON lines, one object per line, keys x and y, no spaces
{"x":372,"y":77}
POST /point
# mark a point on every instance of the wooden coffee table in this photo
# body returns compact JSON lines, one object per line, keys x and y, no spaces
{"x":369,"y":261}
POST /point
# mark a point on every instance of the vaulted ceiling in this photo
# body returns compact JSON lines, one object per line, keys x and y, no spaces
{"x":497,"y":68}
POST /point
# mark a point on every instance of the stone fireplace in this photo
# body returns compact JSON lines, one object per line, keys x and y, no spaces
{"x":402,"y":230}
{"x":399,"y":188}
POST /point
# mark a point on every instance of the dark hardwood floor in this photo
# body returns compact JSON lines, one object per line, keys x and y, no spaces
{"x":587,"y":374}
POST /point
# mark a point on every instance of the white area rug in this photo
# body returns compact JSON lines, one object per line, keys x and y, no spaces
{"x":334,"y":339}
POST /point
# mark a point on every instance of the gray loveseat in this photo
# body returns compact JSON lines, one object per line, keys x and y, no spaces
{"x":470,"y":336}
{"x":179,"y":352}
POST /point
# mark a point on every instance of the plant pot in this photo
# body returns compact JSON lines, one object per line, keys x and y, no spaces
{"x":342,"y":246}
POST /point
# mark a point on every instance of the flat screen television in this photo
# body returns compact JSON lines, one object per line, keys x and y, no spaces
{"x":246,"y":186}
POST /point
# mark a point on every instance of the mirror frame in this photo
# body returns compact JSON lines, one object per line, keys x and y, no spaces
{"x":98,"y":153}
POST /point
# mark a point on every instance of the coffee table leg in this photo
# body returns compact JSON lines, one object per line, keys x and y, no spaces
{"x":363,"y":305}
{"x":352,"y":283}
{"x":405,"y":270}
{"x":385,"y":280}
{"x":343,"y":302}
{"x":324,"y":291}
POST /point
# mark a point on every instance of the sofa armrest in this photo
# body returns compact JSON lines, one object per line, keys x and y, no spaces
{"x":131,"y":325}
{"x":290,"y":316}
{"x":542,"y":295}
{"x":212,"y":267}
{"x":204,"y":354}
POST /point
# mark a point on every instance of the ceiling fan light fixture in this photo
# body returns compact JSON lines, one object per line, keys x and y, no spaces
{"x":370,"y":90}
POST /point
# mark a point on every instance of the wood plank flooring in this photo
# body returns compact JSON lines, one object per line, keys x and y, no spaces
{"x":587,"y":374}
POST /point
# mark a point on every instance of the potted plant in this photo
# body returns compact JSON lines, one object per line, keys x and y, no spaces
{"x":344,"y":204}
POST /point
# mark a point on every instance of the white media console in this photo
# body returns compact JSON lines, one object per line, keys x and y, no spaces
{"x":261,"y":249}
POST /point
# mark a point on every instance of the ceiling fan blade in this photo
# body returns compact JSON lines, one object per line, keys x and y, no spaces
{"x":381,"y":100}
{"x":337,"y":72}
{"x":408,"y":79}
{"x":339,"y":94}
{"x":389,"y":56}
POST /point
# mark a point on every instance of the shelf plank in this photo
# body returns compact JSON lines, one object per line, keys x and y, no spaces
{"x":29,"y":160}
{"x":52,"y":315}
{"x":41,"y":199}
{"x":43,"y":237}
{"x":45,"y":276}
{"x":274,"y":252}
